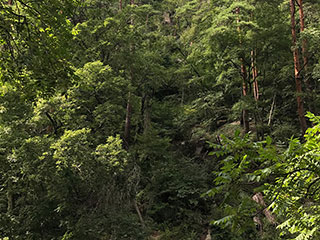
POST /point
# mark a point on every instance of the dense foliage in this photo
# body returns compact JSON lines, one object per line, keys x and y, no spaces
{"x":171,"y":119}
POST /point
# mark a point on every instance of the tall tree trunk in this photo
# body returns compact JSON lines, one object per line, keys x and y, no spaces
{"x":244,"y":93}
{"x":10,"y":2}
{"x":255,"y":86}
{"x":271,"y":110}
{"x":120,"y":5}
{"x":245,"y":117}
{"x":303,"y":123}
{"x":254,"y":74}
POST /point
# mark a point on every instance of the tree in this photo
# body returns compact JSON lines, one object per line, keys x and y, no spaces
{"x":297,"y":69}
{"x":32,"y":34}
{"x":108,"y":110}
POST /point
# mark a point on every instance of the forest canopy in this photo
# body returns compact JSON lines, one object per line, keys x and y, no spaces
{"x":170,"y":119}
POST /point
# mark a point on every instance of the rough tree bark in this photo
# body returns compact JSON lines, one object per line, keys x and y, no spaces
{"x":297,"y":76}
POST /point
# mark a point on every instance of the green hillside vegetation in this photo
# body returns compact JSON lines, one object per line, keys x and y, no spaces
{"x":163,"y":120}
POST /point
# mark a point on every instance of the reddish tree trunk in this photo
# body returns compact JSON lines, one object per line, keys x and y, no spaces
{"x":120,"y":5}
{"x":303,"y":123}
{"x":10,"y":2}
{"x":245,"y":117}
{"x":304,"y":47}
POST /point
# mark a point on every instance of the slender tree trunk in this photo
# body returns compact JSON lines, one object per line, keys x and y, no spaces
{"x":244,"y":77}
{"x":255,"y":86}
{"x":303,"y":123}
{"x":254,"y":75}
{"x":271,"y":110}
{"x":244,"y":93}
{"x":245,"y":117}
{"x":139,"y":213}
{"x":120,"y":5}
{"x":10,"y":2}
